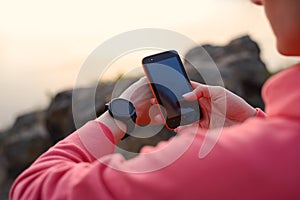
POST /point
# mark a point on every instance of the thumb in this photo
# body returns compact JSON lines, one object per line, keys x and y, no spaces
{"x":198,"y":92}
{"x":190,"y":96}
{"x":187,"y":128}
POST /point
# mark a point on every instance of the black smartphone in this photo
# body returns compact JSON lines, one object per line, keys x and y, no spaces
{"x":168,"y":81}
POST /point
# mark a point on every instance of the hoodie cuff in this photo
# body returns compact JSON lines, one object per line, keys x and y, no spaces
{"x":260,"y":113}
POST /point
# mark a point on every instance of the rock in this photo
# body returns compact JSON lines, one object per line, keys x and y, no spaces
{"x":239,"y":63}
{"x":59,"y":121}
{"x":3,"y":169}
{"x":59,"y":117}
{"x":4,"y":190}
{"x":25,"y":141}
{"x":27,"y":121}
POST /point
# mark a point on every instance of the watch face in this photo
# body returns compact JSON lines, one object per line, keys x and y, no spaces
{"x":121,"y":108}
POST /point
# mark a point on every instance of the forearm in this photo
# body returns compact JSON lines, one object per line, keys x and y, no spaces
{"x":117,"y":128}
{"x":57,"y":173}
{"x":79,"y":167}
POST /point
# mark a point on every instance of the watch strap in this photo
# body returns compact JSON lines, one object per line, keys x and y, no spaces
{"x":129,"y":120}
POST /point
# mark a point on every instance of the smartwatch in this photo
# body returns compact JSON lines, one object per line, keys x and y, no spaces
{"x":124,"y":111}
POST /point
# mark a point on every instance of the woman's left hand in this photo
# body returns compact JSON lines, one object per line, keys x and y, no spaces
{"x":140,"y":95}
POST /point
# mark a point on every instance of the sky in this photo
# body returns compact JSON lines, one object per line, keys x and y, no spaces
{"x":44,"y":43}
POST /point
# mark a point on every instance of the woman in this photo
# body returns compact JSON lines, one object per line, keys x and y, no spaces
{"x":255,"y":157}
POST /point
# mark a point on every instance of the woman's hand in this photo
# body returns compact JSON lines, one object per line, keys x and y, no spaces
{"x":219,"y":106}
{"x":139,"y":94}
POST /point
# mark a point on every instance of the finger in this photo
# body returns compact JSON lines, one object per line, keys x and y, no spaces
{"x":198,"y":92}
{"x":187,"y":128}
{"x":153,"y":101}
{"x":143,"y":79}
{"x":191,"y":96}
{"x":159,"y":119}
{"x":194,"y":84}
{"x":201,"y":90}
{"x":156,"y":115}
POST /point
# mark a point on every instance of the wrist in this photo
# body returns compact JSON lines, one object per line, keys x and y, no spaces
{"x":117,"y":127}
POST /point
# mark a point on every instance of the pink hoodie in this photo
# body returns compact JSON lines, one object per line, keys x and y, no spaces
{"x":259,"y":159}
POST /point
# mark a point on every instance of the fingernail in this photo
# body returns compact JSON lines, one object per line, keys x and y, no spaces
{"x":188,"y":95}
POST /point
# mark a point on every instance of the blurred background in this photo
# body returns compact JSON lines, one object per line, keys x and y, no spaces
{"x":44,"y":43}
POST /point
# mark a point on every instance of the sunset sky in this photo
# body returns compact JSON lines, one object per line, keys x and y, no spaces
{"x":44,"y":43}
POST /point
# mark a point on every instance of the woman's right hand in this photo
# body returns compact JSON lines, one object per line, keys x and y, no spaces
{"x":219,"y":106}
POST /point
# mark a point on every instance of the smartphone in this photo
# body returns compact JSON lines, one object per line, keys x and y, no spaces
{"x":168,"y":81}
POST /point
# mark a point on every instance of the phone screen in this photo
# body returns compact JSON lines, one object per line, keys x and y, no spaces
{"x":169,"y":81}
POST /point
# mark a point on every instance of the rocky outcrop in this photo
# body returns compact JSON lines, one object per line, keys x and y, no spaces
{"x":20,"y":146}
{"x":239,"y":64}
{"x":3,"y":170}
{"x":59,"y":115}
{"x":25,"y":141}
